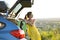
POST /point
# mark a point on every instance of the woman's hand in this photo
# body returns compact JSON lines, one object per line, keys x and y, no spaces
{"x":31,"y":22}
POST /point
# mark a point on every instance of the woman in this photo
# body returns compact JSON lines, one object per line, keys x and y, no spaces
{"x":31,"y":29}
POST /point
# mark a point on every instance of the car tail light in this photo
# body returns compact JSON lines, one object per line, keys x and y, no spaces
{"x":18,"y":34}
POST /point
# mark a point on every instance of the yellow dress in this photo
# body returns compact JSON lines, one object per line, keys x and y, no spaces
{"x":33,"y":32}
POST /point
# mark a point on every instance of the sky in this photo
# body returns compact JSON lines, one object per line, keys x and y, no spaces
{"x":41,"y":9}
{"x":44,"y":9}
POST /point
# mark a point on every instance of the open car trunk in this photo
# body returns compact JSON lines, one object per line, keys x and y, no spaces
{"x":18,"y":6}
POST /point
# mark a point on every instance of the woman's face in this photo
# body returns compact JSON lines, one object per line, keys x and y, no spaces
{"x":30,"y":16}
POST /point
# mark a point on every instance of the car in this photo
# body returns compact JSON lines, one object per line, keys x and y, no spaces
{"x":9,"y":29}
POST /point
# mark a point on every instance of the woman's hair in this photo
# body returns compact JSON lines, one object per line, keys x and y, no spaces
{"x":27,"y":15}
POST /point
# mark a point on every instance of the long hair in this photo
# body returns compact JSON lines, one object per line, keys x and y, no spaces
{"x":27,"y":15}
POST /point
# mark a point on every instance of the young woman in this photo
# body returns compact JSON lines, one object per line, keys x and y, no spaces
{"x":33,"y":32}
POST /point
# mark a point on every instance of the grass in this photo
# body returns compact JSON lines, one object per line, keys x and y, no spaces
{"x":50,"y":34}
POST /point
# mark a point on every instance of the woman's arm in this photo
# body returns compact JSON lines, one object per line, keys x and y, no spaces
{"x":31,"y":22}
{"x":20,"y":19}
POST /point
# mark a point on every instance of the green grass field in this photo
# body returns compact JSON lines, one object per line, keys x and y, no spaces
{"x":50,"y":35}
